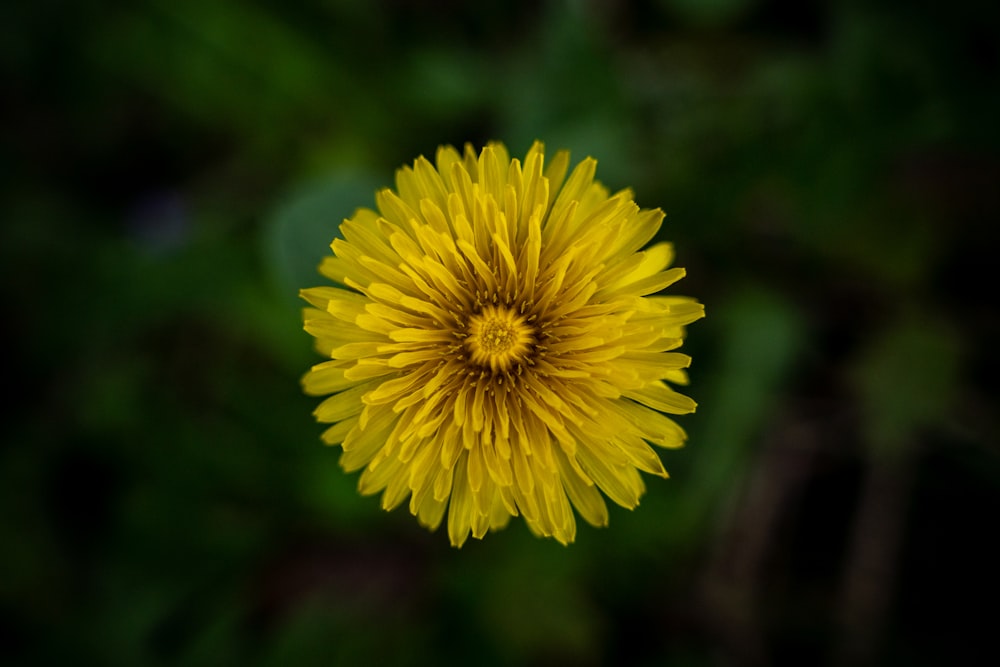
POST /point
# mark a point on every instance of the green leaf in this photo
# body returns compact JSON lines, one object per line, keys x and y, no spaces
{"x":908,"y":379}
{"x":299,"y":233}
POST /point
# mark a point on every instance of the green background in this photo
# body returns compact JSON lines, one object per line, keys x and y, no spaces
{"x":173,"y":171}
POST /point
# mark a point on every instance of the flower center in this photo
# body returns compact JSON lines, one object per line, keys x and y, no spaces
{"x":498,"y":338}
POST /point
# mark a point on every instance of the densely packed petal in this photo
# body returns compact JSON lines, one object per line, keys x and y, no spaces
{"x":497,"y":346}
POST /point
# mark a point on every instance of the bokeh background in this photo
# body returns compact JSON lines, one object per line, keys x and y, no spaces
{"x":174,"y":170}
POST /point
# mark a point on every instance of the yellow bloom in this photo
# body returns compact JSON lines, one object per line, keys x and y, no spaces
{"x":494,"y":346}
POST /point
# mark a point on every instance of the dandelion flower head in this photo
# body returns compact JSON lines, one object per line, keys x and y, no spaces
{"x":496,"y":345}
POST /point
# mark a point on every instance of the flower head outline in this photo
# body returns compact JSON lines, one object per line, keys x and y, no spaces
{"x":497,"y":346}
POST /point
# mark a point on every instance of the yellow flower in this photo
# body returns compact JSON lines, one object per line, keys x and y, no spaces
{"x":494,"y":346}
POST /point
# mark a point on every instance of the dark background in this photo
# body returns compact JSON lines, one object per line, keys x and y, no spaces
{"x":173,"y":170}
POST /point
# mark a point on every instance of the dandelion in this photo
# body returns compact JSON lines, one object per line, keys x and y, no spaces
{"x":496,"y":344}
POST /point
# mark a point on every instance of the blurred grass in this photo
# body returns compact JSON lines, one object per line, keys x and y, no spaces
{"x":172,"y":173}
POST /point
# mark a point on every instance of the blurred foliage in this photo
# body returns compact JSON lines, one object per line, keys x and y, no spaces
{"x":172,"y":172}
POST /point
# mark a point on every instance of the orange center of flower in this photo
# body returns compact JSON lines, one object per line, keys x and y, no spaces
{"x":499,"y":338}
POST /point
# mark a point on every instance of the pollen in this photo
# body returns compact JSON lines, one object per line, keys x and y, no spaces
{"x":499,"y":338}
